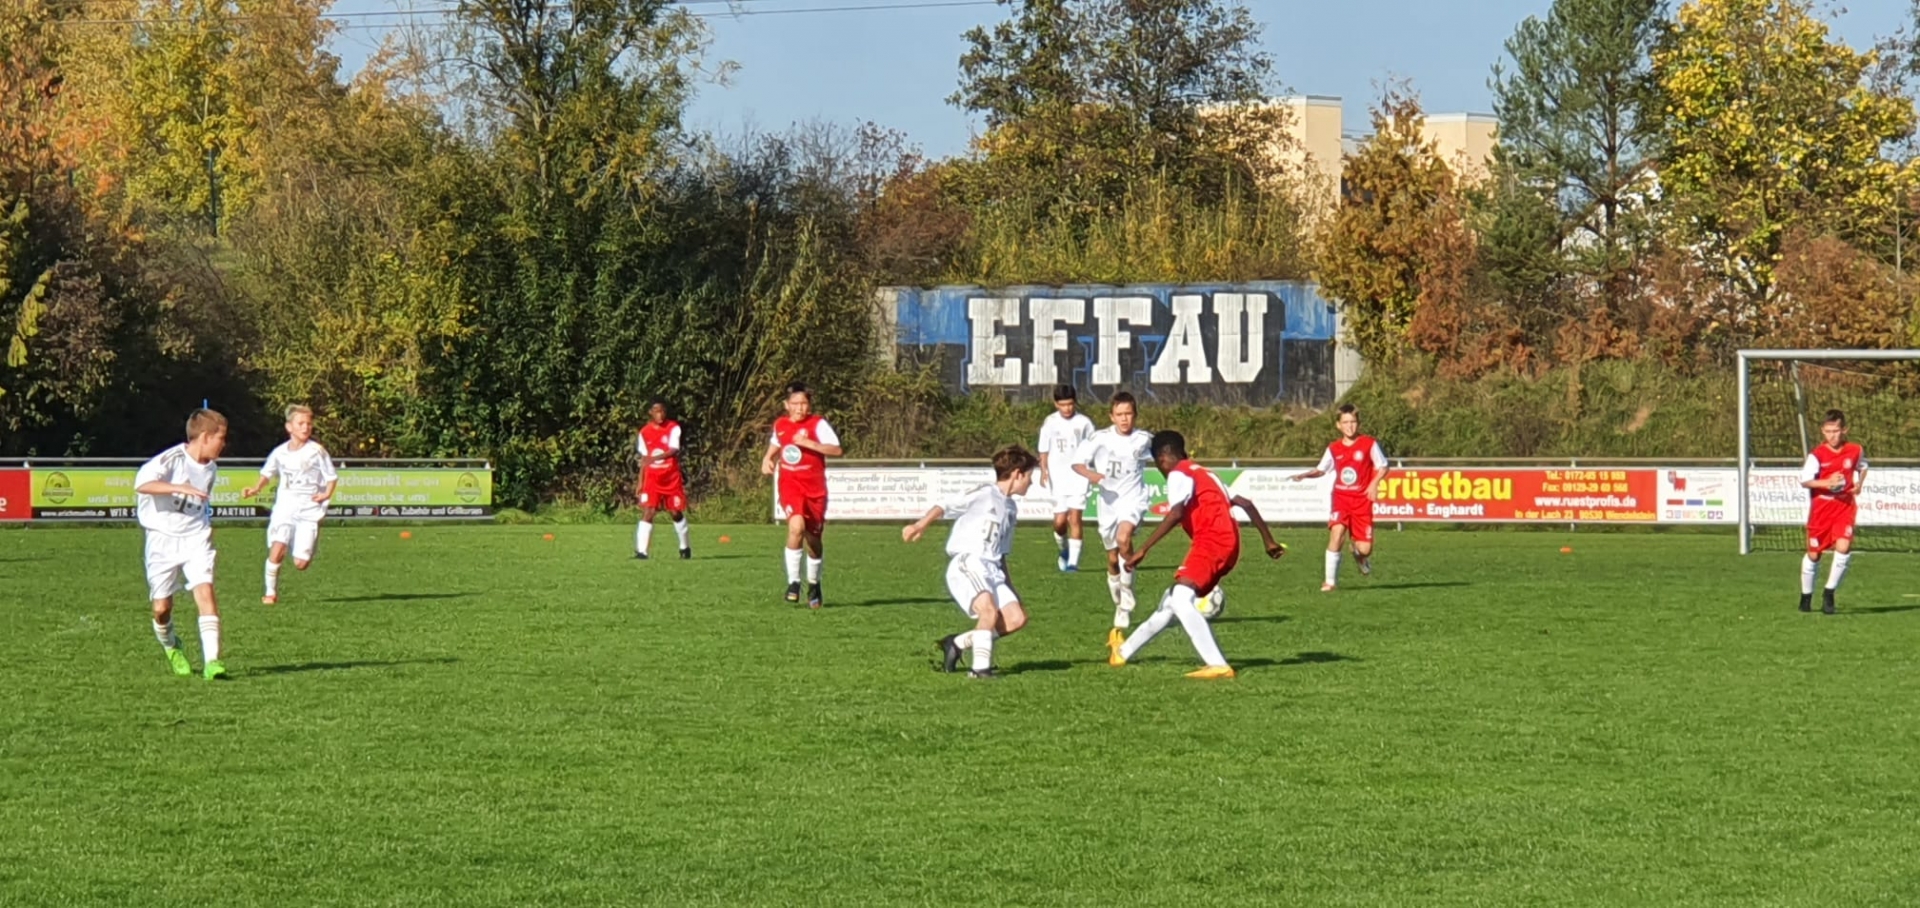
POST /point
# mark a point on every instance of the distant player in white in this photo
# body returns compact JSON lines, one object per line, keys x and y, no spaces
{"x":1116,"y":459}
{"x":1064,"y":431}
{"x":307,"y":480}
{"x":174,"y":492}
{"x":982,"y":538}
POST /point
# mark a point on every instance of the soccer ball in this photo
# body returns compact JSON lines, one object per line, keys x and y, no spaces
{"x":1213,"y":604}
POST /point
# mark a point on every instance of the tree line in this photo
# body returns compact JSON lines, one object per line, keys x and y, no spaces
{"x":499,"y":239}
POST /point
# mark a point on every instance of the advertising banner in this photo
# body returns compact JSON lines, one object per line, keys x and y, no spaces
{"x":106,"y":493}
{"x":1507,"y":495}
{"x":16,"y":495}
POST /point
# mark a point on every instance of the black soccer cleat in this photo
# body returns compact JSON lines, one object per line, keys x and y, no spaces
{"x":793,"y":591}
{"x":1806,"y":602}
{"x":640,"y":556}
{"x":686,"y":554}
{"x":985,"y":674}
{"x":1826,"y":603}
{"x":813,"y":596}
{"x":949,"y":653}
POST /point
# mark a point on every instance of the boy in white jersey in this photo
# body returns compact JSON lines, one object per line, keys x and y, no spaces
{"x":307,"y":480}
{"x":1116,"y":458}
{"x":174,"y":491}
{"x":1060,"y":438}
{"x":981,"y":539}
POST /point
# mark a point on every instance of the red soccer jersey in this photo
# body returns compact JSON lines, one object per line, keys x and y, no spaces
{"x":801,"y":470}
{"x":662,"y":439}
{"x":1824,"y":462}
{"x":1209,"y":518}
{"x":1353,"y":465}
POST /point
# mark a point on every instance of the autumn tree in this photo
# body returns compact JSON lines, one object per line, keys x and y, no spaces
{"x":1771,"y":127}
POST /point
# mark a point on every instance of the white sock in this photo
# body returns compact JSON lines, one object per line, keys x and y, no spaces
{"x":1198,"y":630}
{"x":1143,"y":635}
{"x":273,"y":578}
{"x":643,"y":536}
{"x":982,"y":650}
{"x":164,"y":634}
{"x":1839,"y":569}
{"x":793,"y":565}
{"x":685,"y":532}
{"x":1059,"y":542}
{"x":813,"y":570}
{"x":1333,"y":567}
{"x":1126,"y":591}
{"x":1809,"y":569}
{"x":1073,"y":551}
{"x":1113,"y":588}
{"x":210,"y":637}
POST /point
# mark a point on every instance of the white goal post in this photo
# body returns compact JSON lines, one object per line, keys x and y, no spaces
{"x":1747,"y":357}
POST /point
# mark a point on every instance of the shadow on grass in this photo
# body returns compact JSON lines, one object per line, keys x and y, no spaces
{"x":1049,"y":665}
{"x":887,"y":600}
{"x":1421,"y":585}
{"x":1251,"y":619}
{"x":1312,"y":658}
{"x":296,"y":667}
{"x":399,"y":597}
{"x":1880,"y":610}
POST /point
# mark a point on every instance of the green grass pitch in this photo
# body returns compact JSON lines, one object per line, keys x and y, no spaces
{"x":477,"y":716}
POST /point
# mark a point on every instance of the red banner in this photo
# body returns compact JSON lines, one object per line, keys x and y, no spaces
{"x":16,"y":494}
{"x":1556,"y":495}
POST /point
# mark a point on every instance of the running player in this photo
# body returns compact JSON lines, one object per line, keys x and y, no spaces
{"x":1832,"y":476}
{"x":1198,"y":502}
{"x":662,"y":487}
{"x":1064,"y":430}
{"x":1358,"y":465}
{"x":307,"y":480}
{"x":174,"y":491}
{"x":796,"y":458}
{"x":982,"y":537}
{"x":1116,"y":458}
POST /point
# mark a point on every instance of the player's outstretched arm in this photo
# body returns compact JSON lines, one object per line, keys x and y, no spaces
{"x":913,"y":531}
{"x":1310,"y":474}
{"x":1175,"y":514}
{"x":325,"y":495}
{"x":169,"y":488}
{"x":766,"y":461}
{"x":1088,"y":472}
{"x":252,"y":490}
{"x":1274,"y":548}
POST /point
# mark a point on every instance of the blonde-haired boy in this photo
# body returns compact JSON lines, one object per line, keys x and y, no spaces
{"x":307,"y":480}
{"x":173,"y":502}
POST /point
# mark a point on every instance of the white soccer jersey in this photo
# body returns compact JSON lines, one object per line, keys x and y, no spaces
{"x":1121,"y":459}
{"x":983,"y":521}
{"x":177,"y":515}
{"x":1061,"y":437}
{"x":302,"y":473}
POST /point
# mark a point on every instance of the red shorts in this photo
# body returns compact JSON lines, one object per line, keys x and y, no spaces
{"x":810,"y":504}
{"x":1828,"y":522}
{"x":1204,"y":568}
{"x":665,"y":493}
{"x":1356,"y":515}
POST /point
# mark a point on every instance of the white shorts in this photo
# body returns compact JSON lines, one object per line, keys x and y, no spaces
{"x":968,"y":577}
{"x":171,"y":558}
{"x":296,"y":534}
{"x":1130,"y":509}
{"x":1069,"y":490}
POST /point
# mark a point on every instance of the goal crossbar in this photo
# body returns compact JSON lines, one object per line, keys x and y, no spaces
{"x":1746,"y":441}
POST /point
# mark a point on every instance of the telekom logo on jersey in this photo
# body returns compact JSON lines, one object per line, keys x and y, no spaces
{"x":1238,"y":321}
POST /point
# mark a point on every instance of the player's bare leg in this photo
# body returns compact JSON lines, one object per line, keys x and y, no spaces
{"x":643,"y":534}
{"x":683,"y":532}
{"x":795,"y":555}
{"x":1363,"y":556}
{"x":815,"y":557}
{"x":209,"y":609}
{"x":1336,"y":536}
{"x":276,"y":555}
{"x":1842,"y":554}
{"x":169,"y":641}
{"x":1120,"y":583}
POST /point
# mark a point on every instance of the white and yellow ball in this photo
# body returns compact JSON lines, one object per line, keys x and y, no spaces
{"x":1213,"y":604}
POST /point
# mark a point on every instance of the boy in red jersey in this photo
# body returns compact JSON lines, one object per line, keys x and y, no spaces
{"x":1200,"y":504}
{"x":1358,"y":465}
{"x":662,"y":487}
{"x":796,"y":458}
{"x":1832,"y":476}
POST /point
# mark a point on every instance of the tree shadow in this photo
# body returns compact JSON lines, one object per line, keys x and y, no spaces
{"x":399,"y":597}
{"x":1421,"y":585}
{"x":295,"y":667}
{"x":23,"y":559}
{"x":1251,"y":619}
{"x":1880,"y":610}
{"x":886,"y":600}
{"x":1310,"y":658}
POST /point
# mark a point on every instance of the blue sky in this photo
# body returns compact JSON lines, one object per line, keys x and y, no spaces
{"x":896,"y":67}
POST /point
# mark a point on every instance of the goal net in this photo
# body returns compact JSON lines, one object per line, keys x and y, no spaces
{"x":1784,"y":399}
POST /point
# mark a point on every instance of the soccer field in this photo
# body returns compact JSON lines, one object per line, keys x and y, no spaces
{"x":476,"y":716}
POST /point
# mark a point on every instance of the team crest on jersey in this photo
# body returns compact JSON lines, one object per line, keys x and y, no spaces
{"x":1349,"y":475}
{"x":790,"y":454}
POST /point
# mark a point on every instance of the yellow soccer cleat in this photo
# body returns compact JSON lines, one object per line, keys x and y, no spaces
{"x":269,"y":600}
{"x":1115,"y":637}
{"x":1213,"y":671}
{"x":1114,"y":641}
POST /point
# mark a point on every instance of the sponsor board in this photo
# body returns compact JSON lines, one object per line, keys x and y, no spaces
{"x":16,"y":495}
{"x":106,"y":493}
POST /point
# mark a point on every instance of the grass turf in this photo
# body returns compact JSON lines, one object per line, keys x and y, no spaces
{"x":477,"y":716}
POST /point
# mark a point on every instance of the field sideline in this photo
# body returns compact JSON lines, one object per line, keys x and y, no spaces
{"x":477,"y":716}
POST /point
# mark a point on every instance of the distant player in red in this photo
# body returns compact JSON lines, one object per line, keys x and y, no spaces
{"x":662,"y":488}
{"x":1358,"y":465}
{"x":1832,"y":476}
{"x":1198,"y":502}
{"x":797,"y":460}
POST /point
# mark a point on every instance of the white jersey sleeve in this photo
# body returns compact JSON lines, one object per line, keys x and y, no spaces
{"x":673,"y":440}
{"x":1326,"y":461}
{"x":1810,"y":470}
{"x":825,"y":435}
{"x":174,"y":514}
{"x":270,"y":468}
{"x":1379,"y":458}
{"x":1179,"y":488}
{"x":323,"y":462}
